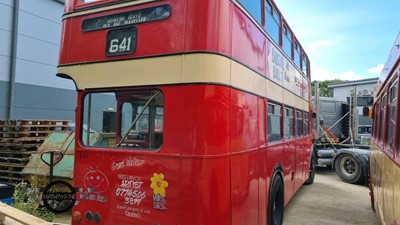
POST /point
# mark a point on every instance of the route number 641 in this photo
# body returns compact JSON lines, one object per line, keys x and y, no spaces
{"x":121,"y":41}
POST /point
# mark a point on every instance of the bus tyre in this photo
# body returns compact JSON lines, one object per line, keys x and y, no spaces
{"x":276,"y":202}
{"x":311,"y":176}
{"x":348,"y":169}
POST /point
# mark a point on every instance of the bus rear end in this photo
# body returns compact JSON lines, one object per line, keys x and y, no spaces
{"x":147,"y":149}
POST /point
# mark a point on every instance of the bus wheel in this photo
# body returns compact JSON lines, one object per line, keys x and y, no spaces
{"x":348,"y":169}
{"x":276,"y":202}
{"x":311,"y":177}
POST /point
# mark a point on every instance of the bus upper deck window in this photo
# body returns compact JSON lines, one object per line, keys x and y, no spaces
{"x":273,"y":22}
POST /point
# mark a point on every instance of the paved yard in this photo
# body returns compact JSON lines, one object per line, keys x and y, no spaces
{"x":330,"y":201}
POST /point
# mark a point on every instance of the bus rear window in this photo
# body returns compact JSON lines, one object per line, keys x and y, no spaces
{"x":123,"y":119}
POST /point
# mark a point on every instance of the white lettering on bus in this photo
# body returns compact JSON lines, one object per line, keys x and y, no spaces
{"x":132,"y":214}
{"x":127,"y":162}
{"x":131,"y":184}
{"x":117,"y":165}
{"x":277,"y":61}
{"x":134,"y":162}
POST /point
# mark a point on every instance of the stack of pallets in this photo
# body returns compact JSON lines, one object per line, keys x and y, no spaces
{"x":18,"y":140}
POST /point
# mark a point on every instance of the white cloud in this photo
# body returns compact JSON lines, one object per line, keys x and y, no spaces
{"x":376,"y":70}
{"x":321,"y":74}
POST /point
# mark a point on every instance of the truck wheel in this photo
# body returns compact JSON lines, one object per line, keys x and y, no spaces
{"x":348,"y":169}
{"x":311,"y":176}
{"x":276,"y":202}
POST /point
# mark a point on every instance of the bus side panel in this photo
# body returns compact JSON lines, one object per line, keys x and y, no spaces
{"x":250,"y":47}
{"x":198,"y":120}
{"x":303,"y":153}
{"x":205,"y":191}
{"x":207,"y":26}
{"x":289,"y":167}
{"x":376,"y":176}
{"x":244,"y":122}
{"x":244,"y":148}
{"x":299,"y":163}
{"x":396,"y":188}
{"x":307,"y":156}
{"x":263,"y":174}
{"x":244,"y":178}
{"x":387,"y":185}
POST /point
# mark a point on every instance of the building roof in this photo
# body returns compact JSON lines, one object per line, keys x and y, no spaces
{"x":354,"y":82}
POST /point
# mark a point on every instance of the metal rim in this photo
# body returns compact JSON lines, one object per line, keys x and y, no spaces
{"x":348,"y":166}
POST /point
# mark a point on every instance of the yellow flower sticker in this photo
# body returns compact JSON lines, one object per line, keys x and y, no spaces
{"x":158,"y":184}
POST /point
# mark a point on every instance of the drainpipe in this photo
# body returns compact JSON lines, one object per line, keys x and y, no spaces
{"x":13,"y":59}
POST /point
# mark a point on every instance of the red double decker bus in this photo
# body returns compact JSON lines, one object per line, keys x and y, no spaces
{"x":188,"y":111}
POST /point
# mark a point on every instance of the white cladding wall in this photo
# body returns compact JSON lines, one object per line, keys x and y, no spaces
{"x":341,"y":93}
{"x":38,"y":42}
{"x":37,"y":92}
{"x":39,"y":35}
{"x":5,"y":38}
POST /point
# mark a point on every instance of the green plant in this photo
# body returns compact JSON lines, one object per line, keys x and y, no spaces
{"x":28,"y":199}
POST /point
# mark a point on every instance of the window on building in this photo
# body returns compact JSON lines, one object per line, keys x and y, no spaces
{"x":299,"y":123}
{"x":297,"y":54}
{"x":274,"y":118}
{"x":390,"y":139}
{"x":272,"y":22}
{"x":305,"y":130}
{"x":287,"y":40}
{"x":289,"y":116}
{"x":253,"y":8}
{"x":365,"y":101}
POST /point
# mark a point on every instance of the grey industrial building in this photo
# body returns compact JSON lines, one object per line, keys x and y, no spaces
{"x":341,"y":91}
{"x":30,"y":32}
{"x":365,"y":93}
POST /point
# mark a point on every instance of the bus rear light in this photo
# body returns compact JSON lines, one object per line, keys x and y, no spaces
{"x":88,"y":215}
{"x":96,"y":217}
{"x":371,"y":113}
{"x":76,"y":216}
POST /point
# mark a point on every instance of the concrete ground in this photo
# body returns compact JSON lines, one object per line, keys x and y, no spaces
{"x":329,"y":201}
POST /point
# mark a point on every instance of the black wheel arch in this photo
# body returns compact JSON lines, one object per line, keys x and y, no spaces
{"x":278,"y":171}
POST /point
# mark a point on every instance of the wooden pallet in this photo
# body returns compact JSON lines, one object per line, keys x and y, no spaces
{"x":18,"y":140}
{"x":30,"y":128}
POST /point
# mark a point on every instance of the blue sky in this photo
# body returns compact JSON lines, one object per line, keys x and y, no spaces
{"x":344,"y":39}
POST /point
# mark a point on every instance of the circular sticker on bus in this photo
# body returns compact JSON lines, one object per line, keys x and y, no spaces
{"x":59,"y":196}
